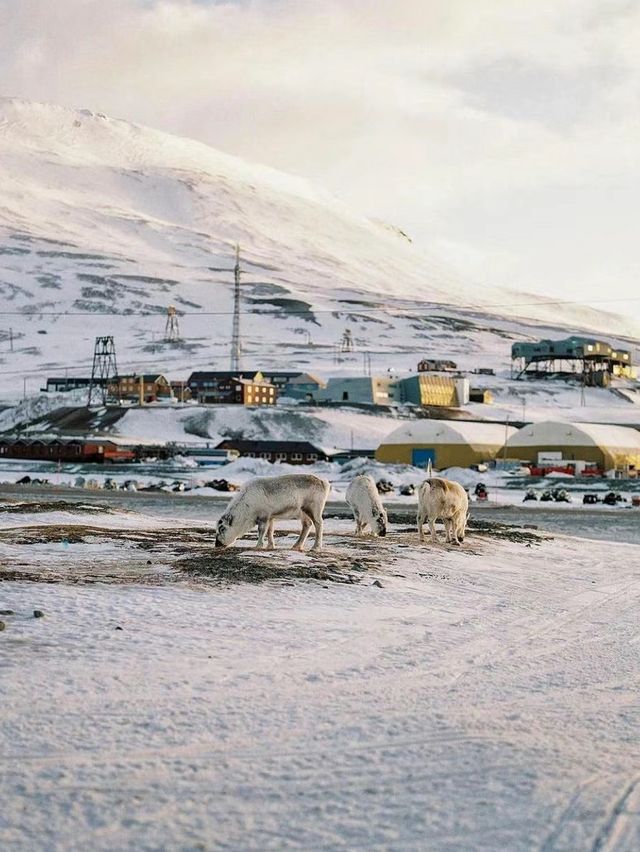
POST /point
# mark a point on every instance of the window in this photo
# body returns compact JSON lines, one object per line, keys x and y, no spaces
{"x":265,"y":455}
{"x":312,"y":457}
{"x":296,"y":457}
{"x":250,"y":455}
{"x":281,"y":456}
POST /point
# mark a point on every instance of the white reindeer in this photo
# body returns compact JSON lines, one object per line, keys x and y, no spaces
{"x":366,"y":505}
{"x":440,"y":498}
{"x":263,"y":500}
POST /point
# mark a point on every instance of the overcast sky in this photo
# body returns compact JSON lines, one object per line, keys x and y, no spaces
{"x":503,"y":134}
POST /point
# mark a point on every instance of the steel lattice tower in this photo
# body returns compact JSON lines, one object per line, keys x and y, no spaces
{"x":346,"y":344}
{"x":104,"y":368}
{"x":171,"y":329}
{"x":236,"y":347}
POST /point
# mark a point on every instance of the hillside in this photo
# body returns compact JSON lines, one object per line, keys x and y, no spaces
{"x":103,"y":224}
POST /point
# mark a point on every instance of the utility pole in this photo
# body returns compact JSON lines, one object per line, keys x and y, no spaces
{"x":11,"y":339}
{"x":366,"y":363}
{"x":506,"y":438}
{"x":235,"y":332}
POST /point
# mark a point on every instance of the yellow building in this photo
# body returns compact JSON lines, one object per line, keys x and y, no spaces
{"x":607,"y":446}
{"x":446,"y":443}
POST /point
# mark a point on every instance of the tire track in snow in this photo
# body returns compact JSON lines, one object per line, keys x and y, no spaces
{"x":610,"y":833}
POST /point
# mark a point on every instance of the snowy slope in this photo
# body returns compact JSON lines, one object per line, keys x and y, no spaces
{"x":100,"y":216}
{"x":482,"y":698}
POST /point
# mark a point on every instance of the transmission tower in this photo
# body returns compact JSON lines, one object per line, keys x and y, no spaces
{"x":171,"y":329}
{"x":104,"y":368}
{"x":236,"y":347}
{"x":346,"y":344}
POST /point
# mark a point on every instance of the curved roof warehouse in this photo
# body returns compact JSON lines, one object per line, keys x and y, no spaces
{"x":608,"y":446}
{"x":446,"y":443}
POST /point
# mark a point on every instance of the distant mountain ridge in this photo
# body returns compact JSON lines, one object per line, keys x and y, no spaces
{"x":99,"y":215}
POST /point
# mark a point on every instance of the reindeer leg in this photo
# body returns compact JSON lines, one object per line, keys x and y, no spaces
{"x":262,"y":524}
{"x":448,"y":528}
{"x":318,"y":525}
{"x":304,"y":532}
{"x":271,"y":545}
{"x":432,"y":529}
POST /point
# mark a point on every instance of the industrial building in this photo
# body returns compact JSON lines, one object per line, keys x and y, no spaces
{"x":426,"y":389}
{"x":595,"y":361}
{"x":482,"y":395}
{"x":367,"y":390}
{"x":301,"y":386}
{"x":608,"y":447}
{"x":62,"y":384}
{"x":445,"y":443}
{"x":291,"y":452}
{"x":420,"y":389}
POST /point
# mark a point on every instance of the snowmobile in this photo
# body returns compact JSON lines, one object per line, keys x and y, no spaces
{"x":590,"y":499}
{"x":530,"y":494}
{"x":384,"y":486}
{"x":560,"y":495}
{"x":546,"y":497}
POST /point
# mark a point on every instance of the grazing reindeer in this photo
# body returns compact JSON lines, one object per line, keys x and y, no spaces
{"x":263,"y":500}
{"x":440,"y":498}
{"x":366,"y":505}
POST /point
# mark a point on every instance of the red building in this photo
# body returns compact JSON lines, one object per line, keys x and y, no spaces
{"x":96,"y":450}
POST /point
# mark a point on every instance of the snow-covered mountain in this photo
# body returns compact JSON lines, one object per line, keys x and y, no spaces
{"x":103,"y":224}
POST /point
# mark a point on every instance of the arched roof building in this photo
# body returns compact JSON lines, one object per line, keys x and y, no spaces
{"x":447,"y":443}
{"x":608,"y":446}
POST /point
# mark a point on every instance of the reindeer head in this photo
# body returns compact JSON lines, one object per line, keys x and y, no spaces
{"x":380,"y":521}
{"x":226,"y":532}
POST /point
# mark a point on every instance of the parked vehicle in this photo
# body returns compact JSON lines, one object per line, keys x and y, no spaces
{"x":561,"y":495}
{"x":590,"y":499}
{"x":613,"y":498}
{"x":481,"y":492}
{"x":530,"y":494}
{"x":384,"y":486}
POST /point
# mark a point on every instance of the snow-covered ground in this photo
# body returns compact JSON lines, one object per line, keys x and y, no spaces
{"x":104,"y":224}
{"x":475,"y":698}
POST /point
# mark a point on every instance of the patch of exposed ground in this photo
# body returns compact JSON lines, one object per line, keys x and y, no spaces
{"x":165,"y":556}
{"x":88,"y":553}
{"x":18,"y":507}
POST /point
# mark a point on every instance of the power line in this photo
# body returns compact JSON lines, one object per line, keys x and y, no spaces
{"x":439,"y":306}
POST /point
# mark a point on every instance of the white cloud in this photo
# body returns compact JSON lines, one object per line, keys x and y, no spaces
{"x":441,"y":115}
